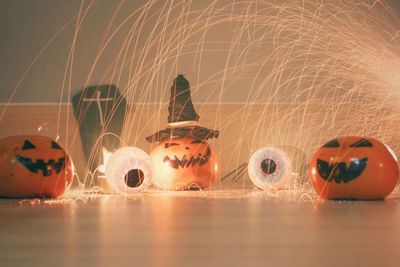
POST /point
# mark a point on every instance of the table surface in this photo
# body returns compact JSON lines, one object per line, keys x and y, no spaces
{"x":220,"y":228}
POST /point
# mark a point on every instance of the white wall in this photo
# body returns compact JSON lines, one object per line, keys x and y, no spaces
{"x":231,"y":51}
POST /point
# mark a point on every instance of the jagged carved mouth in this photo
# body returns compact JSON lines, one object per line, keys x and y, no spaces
{"x":339,"y":171}
{"x":185,"y":162}
{"x":47,"y":168}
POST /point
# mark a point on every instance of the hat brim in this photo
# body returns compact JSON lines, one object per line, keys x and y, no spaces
{"x":180,"y":132}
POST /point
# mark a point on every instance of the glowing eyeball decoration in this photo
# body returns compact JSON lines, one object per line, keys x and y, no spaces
{"x":34,"y":166}
{"x":353,"y":167}
{"x":270,"y":168}
{"x":184,"y":164}
{"x":128,"y":170}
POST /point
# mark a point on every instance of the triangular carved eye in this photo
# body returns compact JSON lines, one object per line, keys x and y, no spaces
{"x":55,"y":145}
{"x":332,"y":143}
{"x":167,"y":145}
{"x":362,"y":143}
{"x":28,"y":145}
{"x":198,"y":141}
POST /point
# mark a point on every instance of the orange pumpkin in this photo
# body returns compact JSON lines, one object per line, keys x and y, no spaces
{"x":184,"y":163}
{"x":33,"y":166}
{"x":354,"y":167}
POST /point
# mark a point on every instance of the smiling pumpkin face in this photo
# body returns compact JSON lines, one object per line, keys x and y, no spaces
{"x":353,"y":167}
{"x":184,"y":163}
{"x":33,"y":166}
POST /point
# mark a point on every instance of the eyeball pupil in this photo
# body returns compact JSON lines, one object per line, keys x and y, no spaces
{"x":268,"y":166}
{"x":134,"y":178}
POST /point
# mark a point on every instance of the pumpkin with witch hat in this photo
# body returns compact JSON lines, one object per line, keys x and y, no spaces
{"x":183,"y":159}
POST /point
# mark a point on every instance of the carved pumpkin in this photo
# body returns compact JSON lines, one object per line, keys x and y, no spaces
{"x":33,"y":166}
{"x":184,"y":163}
{"x":354,"y":168}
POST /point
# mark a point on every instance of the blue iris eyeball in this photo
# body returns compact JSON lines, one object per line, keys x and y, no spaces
{"x":128,"y":170}
{"x":270,"y":168}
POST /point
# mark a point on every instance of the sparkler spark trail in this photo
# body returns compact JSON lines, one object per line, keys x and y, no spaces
{"x":291,"y":74}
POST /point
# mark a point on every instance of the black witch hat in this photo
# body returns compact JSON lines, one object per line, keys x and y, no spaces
{"x":182,"y":119}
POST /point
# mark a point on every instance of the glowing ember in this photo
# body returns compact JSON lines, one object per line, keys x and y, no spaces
{"x":106,"y":156}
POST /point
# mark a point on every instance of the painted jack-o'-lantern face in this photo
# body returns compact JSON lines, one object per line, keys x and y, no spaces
{"x":33,"y":166}
{"x":184,"y":163}
{"x":354,"y":168}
